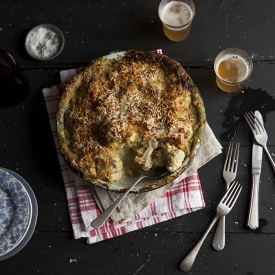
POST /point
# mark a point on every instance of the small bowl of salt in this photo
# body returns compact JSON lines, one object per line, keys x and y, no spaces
{"x":44,"y":42}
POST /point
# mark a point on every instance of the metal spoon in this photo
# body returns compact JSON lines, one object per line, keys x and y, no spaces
{"x":156,"y":173}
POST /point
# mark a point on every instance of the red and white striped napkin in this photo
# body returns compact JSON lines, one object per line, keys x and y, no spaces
{"x":184,"y":195}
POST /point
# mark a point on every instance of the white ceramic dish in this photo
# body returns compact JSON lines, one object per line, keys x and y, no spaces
{"x":16,"y":212}
{"x":32,"y":219}
{"x":48,"y":27}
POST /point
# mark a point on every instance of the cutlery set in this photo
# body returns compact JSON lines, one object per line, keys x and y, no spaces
{"x":229,"y":174}
{"x":223,"y":208}
{"x":256,"y":124}
{"x":233,"y":189}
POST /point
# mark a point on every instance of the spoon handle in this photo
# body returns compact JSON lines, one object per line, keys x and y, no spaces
{"x":188,"y":261}
{"x":218,"y":242}
{"x":97,"y":222}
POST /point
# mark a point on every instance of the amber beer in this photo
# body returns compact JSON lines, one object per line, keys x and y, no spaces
{"x":176,"y":17}
{"x":232,"y":68}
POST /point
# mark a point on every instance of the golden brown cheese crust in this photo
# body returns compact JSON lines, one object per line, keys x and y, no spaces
{"x":142,"y":100}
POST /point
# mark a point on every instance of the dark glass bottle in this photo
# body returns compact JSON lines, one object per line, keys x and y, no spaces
{"x":14,"y":85}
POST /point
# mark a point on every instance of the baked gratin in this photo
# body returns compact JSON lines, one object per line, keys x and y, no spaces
{"x":140,"y":109}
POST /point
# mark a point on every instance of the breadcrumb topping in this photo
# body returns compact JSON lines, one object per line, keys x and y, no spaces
{"x":142,"y":101}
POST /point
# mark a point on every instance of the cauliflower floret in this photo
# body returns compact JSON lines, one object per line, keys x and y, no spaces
{"x":112,"y":165}
{"x":158,"y":158}
{"x":174,"y":157}
{"x":145,"y":161}
{"x":144,"y":154}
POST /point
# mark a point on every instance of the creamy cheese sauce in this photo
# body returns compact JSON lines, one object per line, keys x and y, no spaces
{"x":134,"y":111}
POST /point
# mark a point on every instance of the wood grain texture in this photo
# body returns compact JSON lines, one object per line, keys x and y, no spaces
{"x":93,"y":29}
{"x":58,"y":253}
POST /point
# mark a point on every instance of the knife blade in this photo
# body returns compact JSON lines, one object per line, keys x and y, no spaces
{"x":257,"y":152}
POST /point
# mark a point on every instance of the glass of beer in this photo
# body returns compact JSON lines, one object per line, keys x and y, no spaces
{"x":176,"y":18}
{"x":232,"y":67}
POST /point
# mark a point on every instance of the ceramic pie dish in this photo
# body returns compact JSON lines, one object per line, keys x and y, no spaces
{"x":128,"y":110}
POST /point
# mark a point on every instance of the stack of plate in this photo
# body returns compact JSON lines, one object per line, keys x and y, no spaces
{"x":18,"y":213}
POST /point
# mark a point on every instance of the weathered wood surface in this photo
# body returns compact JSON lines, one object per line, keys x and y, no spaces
{"x":93,"y":29}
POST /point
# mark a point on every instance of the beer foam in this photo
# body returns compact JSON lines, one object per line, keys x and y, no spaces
{"x":176,"y":14}
{"x":233,"y":68}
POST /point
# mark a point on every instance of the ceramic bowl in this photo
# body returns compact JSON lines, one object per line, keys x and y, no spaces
{"x":42,"y":46}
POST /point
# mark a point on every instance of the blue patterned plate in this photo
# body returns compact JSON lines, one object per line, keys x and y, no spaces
{"x":15,"y":212}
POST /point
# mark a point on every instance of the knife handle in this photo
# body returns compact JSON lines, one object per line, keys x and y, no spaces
{"x":253,"y":217}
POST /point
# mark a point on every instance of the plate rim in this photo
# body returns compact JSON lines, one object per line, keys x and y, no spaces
{"x":26,"y":217}
{"x":33,"y":219}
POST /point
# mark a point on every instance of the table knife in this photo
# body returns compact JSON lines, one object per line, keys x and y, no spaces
{"x":257,"y":152}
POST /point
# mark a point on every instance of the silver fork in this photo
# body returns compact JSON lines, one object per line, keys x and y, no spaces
{"x":229,"y":174}
{"x":259,"y":133}
{"x":223,"y":208}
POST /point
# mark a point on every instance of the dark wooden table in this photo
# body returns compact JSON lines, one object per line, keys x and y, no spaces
{"x":93,"y":29}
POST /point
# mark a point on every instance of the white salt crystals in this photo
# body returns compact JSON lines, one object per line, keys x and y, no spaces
{"x":44,"y":43}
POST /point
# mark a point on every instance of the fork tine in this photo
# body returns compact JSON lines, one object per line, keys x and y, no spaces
{"x":258,"y":123}
{"x":232,"y":194}
{"x":235,"y":196}
{"x":228,"y":157}
{"x":229,"y":192}
{"x":231,"y":161}
{"x":249,"y":121}
{"x":232,"y":158}
{"x":254,"y":123}
{"x":236,"y":157}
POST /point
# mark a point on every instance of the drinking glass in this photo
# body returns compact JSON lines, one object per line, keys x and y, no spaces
{"x":232,"y":67}
{"x":176,"y":18}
